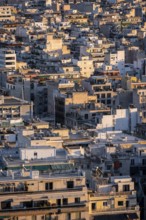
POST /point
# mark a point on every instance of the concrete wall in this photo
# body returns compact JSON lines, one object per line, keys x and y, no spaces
{"x":124,"y":119}
{"x":26,"y":111}
{"x":41,"y":153}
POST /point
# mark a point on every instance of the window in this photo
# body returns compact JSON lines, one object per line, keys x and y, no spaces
{"x":108,"y":102}
{"x":77,"y":200}
{"x":86,"y":116}
{"x":109,"y":167}
{"x":70,"y":184}
{"x":144,"y":161}
{"x":32,"y":86}
{"x":35,"y":154}
{"x":59,"y":202}
{"x":88,"y":166}
{"x":93,"y":206}
{"x":120,"y":203}
{"x":104,"y":203}
{"x":108,"y":95}
{"x":126,"y":188}
{"x":5,"y":205}
{"x":65,"y":201}
{"x":49,"y":186}
{"x":132,"y":161}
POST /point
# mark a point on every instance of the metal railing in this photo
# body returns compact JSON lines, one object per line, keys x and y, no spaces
{"x":96,"y":194}
{"x":121,"y":209}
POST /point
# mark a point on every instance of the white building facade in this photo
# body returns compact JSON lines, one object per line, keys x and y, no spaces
{"x":123,"y":119}
{"x":37,"y":153}
{"x":117,"y":60}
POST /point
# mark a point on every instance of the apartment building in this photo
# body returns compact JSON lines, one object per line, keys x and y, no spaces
{"x":29,"y":89}
{"x":60,"y":86}
{"x":86,"y":66}
{"x":139,"y":101}
{"x":63,"y":103}
{"x":76,"y":17}
{"x":53,"y":43}
{"x":50,"y":196}
{"x":37,"y":138}
{"x":59,"y":46}
{"x":97,"y":54}
{"x":138,"y":160}
{"x":6,"y":13}
{"x":116,"y":59}
{"x":102,"y":88}
{"x":37,"y":153}
{"x":138,"y":171}
{"x":114,"y":200}
{"x":122,"y":119}
{"x":7,"y":59}
{"x":132,"y":82}
{"x":87,"y":116}
{"x":11,"y":107}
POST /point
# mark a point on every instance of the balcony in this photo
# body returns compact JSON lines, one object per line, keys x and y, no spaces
{"x":25,"y":191}
{"x":45,"y":210}
{"x":116,"y":210}
{"x":112,"y":194}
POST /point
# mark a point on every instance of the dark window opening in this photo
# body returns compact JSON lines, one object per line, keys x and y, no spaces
{"x":49,"y":186}
{"x":59,"y":202}
{"x":70,"y":184}
{"x":77,"y":200}
{"x":5,"y":205}
{"x":120,"y":203}
{"x":93,"y":206}
{"x":126,"y":188}
{"x":65,"y":201}
{"x":86,"y":116}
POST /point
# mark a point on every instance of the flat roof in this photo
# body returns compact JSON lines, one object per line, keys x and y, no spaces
{"x":15,"y":162}
{"x":42,"y":177}
{"x":37,"y":148}
{"x":8,"y":101}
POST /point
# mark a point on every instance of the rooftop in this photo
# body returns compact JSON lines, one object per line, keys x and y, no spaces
{"x":9,"y":101}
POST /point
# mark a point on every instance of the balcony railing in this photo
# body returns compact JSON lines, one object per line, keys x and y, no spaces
{"x":46,"y":209}
{"x":116,"y":210}
{"x":26,"y":191}
{"x":109,"y":194}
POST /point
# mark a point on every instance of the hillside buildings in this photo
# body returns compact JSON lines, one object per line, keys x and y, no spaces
{"x":72,"y":110}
